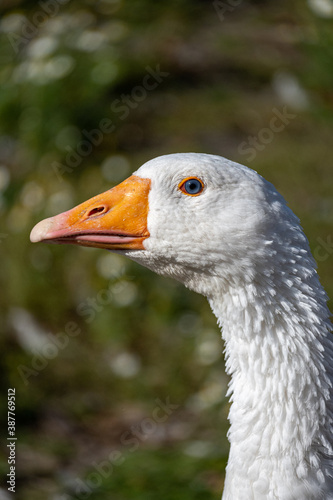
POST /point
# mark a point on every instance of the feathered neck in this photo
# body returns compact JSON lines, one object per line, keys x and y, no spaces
{"x":279,"y":354}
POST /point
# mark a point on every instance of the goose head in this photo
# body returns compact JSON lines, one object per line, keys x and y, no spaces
{"x":225,"y":232}
{"x":193,"y":217}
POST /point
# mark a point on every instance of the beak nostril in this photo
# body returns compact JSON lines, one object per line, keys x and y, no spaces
{"x":97,"y":211}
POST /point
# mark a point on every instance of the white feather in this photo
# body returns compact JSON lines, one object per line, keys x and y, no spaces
{"x":241,"y":246}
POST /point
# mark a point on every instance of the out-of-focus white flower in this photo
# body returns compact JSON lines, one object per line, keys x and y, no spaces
{"x":111,"y":266}
{"x":12,"y":23}
{"x":209,"y":348}
{"x":124,"y":293}
{"x":29,"y":333}
{"x":42,"y":47}
{"x":59,"y":66}
{"x":42,"y":72}
{"x":90,"y":41}
{"x":323,"y":8}
{"x":199,"y":449}
{"x":125,"y":365}
{"x":290,"y":91}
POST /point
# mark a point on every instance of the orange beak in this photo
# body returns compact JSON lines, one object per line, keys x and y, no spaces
{"x":116,"y":219}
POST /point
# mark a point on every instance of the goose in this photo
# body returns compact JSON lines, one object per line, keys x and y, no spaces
{"x":225,"y":232}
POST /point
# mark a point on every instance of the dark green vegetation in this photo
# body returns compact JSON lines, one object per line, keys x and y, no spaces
{"x":94,"y":344}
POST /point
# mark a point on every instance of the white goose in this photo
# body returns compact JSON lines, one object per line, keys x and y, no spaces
{"x":226,"y":233}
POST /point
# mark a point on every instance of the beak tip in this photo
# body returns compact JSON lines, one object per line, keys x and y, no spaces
{"x":40,"y":231}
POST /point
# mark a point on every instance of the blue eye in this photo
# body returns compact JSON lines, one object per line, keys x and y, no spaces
{"x":192,"y":186}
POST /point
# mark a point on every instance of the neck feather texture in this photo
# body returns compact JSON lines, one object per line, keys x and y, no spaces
{"x":279,"y":353}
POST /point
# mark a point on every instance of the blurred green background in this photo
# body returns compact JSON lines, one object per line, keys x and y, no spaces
{"x":119,"y":374}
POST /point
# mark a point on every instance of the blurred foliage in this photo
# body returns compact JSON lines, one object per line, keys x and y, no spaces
{"x":65,"y":66}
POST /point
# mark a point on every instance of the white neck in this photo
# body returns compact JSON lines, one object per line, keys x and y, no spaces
{"x":258,"y":274}
{"x":278,"y":349}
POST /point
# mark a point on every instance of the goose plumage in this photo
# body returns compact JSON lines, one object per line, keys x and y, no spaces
{"x":225,"y":232}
